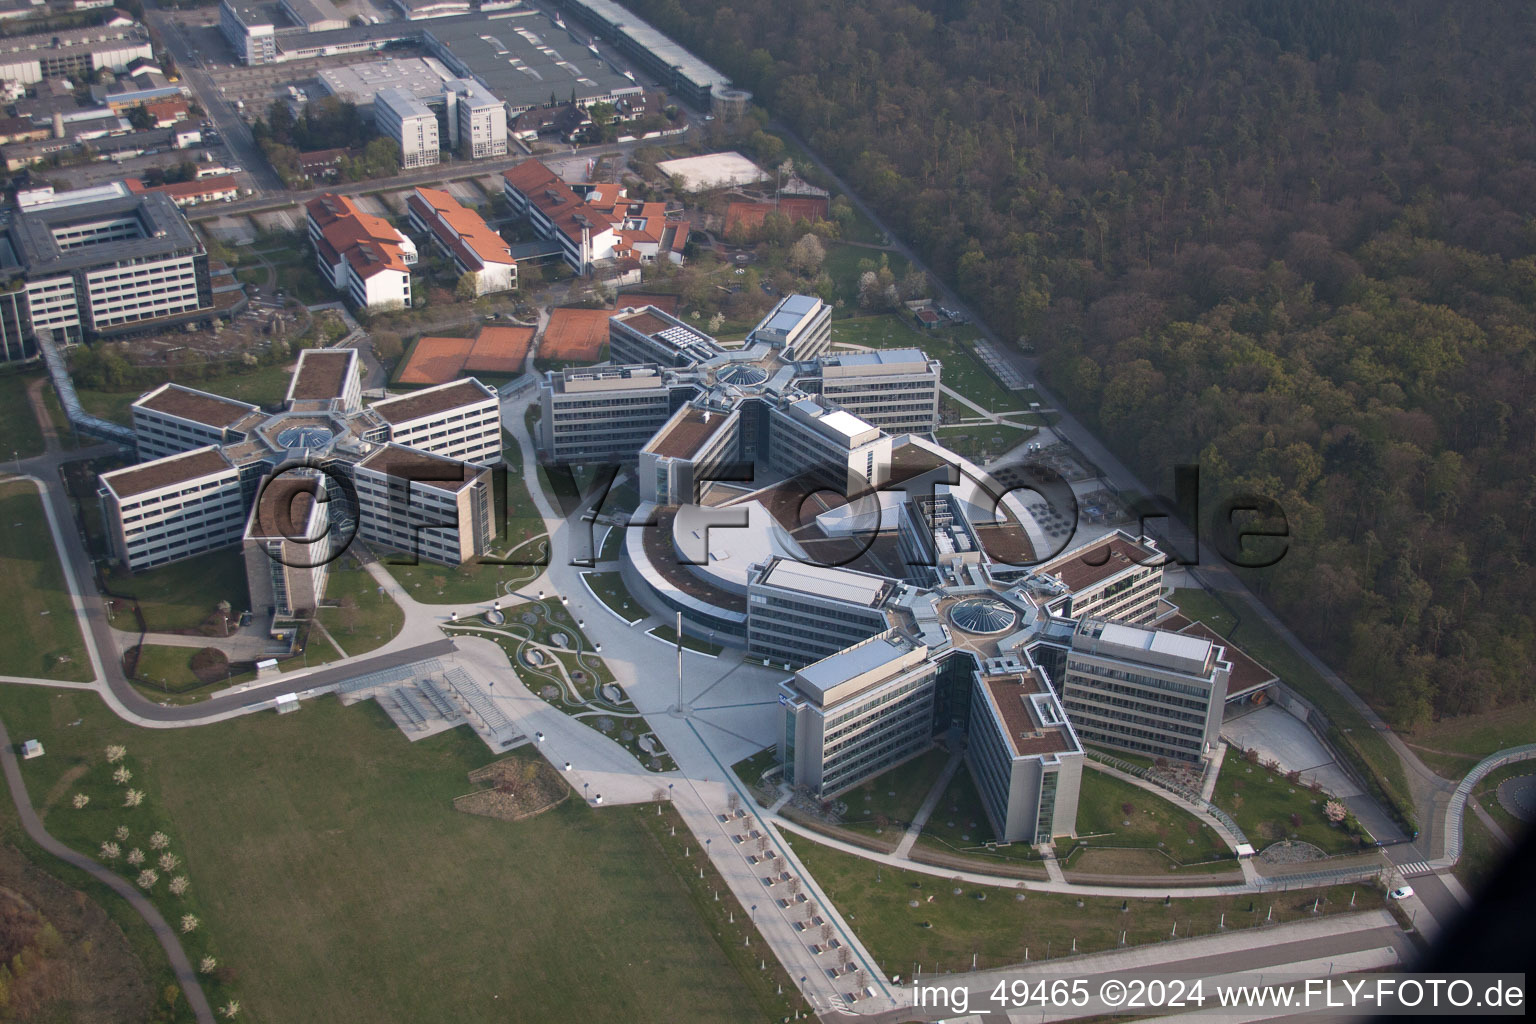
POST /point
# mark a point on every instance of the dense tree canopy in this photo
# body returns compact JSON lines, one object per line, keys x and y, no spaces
{"x":1292,"y":241}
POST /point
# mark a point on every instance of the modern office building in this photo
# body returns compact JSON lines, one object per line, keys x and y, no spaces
{"x":871,"y":706}
{"x":649,"y":335}
{"x":250,"y":30}
{"x":830,"y":446}
{"x":103,"y":262}
{"x":1148,"y":690}
{"x":438,"y":509}
{"x":896,"y":390}
{"x":458,"y":420}
{"x":799,"y":326}
{"x":1115,"y":576}
{"x":287,"y":544}
{"x":799,"y":613}
{"x":411,"y":123}
{"x":391,"y":471}
{"x":360,"y":255}
{"x":465,"y":238}
{"x":602,"y":413}
{"x":172,"y":419}
{"x":326,"y":380}
{"x":173,"y":508}
{"x":1022,"y":753}
{"x":477,"y":121}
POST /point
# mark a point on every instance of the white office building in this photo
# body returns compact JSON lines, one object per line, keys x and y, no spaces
{"x":896,"y":390}
{"x":477,"y":120}
{"x":173,"y":508}
{"x":250,"y":31}
{"x":601,"y":413}
{"x":1147,"y":690}
{"x":457,"y":420}
{"x":172,"y":419}
{"x":435,"y":508}
{"x":800,"y":326}
{"x":411,"y":123}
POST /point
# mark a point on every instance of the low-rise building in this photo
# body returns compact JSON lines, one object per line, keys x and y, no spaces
{"x":288,"y":545}
{"x":361,"y":255}
{"x":464,"y":237}
{"x":800,"y":326}
{"x":172,"y":419}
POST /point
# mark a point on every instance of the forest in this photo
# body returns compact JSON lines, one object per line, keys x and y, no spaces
{"x":1291,"y":242}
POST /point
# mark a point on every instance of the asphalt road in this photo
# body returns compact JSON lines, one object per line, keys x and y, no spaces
{"x":235,"y":132}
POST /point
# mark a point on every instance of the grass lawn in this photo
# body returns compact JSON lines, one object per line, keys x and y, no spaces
{"x":668,"y":635}
{"x":1154,"y":823}
{"x":1476,"y":736}
{"x":892,"y":799}
{"x":610,"y":589}
{"x":317,"y":650}
{"x":183,"y":595}
{"x":467,"y":585}
{"x":1487,"y":793}
{"x":331,"y":872}
{"x":984,"y":441}
{"x":520,"y":521}
{"x":19,"y":428}
{"x":1481,"y":854}
{"x":170,"y":667}
{"x":1352,"y":733}
{"x":750,"y":769}
{"x":367,"y":619}
{"x":42,"y":636}
{"x":877,"y":899}
{"x":959,"y":825}
{"x":1262,"y":802}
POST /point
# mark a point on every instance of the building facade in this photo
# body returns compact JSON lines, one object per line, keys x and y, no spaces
{"x":1147,"y":690}
{"x":173,"y":508}
{"x":412,"y":124}
{"x":465,"y":238}
{"x":601,"y":413}
{"x":458,"y":420}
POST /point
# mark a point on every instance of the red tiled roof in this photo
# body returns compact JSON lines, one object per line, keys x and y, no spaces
{"x":476,"y":243}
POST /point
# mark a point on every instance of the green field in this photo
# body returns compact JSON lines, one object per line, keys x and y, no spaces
{"x":183,"y":596}
{"x":1262,"y":802}
{"x":1154,"y":823}
{"x":162,"y":667}
{"x":38,"y":620}
{"x":1470,"y":738}
{"x":466,"y":586}
{"x":1350,"y":727}
{"x":332,"y":873}
{"x":1481,"y":854}
{"x":610,"y":589}
{"x":983,"y":441}
{"x":18,"y":424}
{"x":367,"y":619}
{"x":892,"y":799}
{"x":876,"y":899}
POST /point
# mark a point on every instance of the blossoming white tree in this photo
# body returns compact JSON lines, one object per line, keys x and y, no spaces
{"x":189,"y":923}
{"x":80,"y":801}
{"x":159,"y":841}
{"x":110,"y":850}
{"x":133,"y":798}
{"x":116,"y":752}
{"x":122,"y":776}
{"x":135,"y":856}
{"x":168,"y":861}
{"x":147,"y":878}
{"x":179,"y":885}
{"x":121,"y":833}
{"x":207,"y":964}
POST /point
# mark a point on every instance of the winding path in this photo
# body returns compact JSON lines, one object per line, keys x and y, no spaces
{"x":186,"y":977}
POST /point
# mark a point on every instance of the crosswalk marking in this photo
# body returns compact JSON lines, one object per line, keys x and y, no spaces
{"x":1418,"y":867}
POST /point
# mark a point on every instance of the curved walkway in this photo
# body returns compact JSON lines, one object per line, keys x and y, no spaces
{"x":186,"y":977}
{"x":1458,"y":804}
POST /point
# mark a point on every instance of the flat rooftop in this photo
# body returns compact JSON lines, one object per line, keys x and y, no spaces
{"x":163,"y":232}
{"x":1093,"y":563}
{"x":684,"y":436}
{"x":411,"y":464}
{"x":892,"y":652}
{"x":321,"y":373}
{"x":284,"y":508}
{"x":173,"y":469}
{"x":421,"y":76}
{"x":196,"y":406}
{"x":823,"y":581}
{"x":1021,"y":701}
{"x":433,"y":401}
{"x":523,"y":58}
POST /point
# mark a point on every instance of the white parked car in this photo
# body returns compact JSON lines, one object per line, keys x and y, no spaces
{"x":1402,"y":892}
